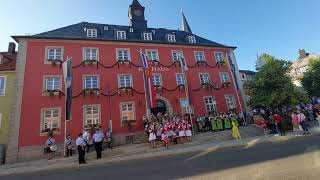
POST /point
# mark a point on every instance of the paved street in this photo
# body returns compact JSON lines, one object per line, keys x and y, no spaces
{"x":294,"y":159}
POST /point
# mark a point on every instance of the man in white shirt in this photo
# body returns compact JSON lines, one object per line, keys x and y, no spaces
{"x":98,"y":139}
{"x":81,"y":144}
{"x":302,"y":120}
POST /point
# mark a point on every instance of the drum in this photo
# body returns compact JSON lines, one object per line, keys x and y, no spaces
{"x":53,"y":148}
{"x":90,"y":142}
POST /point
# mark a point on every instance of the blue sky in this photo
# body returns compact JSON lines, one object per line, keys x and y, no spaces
{"x":277,"y":27}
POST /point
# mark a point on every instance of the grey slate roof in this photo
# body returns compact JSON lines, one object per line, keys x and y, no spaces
{"x":78,"y":32}
{"x":247,"y":72}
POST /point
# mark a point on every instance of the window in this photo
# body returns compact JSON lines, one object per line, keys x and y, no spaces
{"x":54,"y":53}
{"x":2,"y":85}
{"x":156,"y":78}
{"x":92,"y":33}
{"x":50,"y":119}
{"x":243,"y":77}
{"x":152,"y":55}
{"x":90,"y":54}
{"x":230,"y":101}
{"x":123,"y":55}
{"x":91,"y":82}
{"x":91,"y":115}
{"x":171,"y":38}
{"x":106,"y":28}
{"x":131,"y":29}
{"x":301,"y":70}
{"x":147,"y":36}
{"x":184,"y":104}
{"x":127,"y":112}
{"x":199,"y":56}
{"x":125,"y":81}
{"x":52,"y":83}
{"x":176,"y":55}
{"x":180,"y":79}
{"x":153,"y":31}
{"x":192,"y":39}
{"x":224,"y":77}
{"x":219,"y":56}
{"x":210,"y":104}
{"x":204,"y":78}
{"x":121,"y":35}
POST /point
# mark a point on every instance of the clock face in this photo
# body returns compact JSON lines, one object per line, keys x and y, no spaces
{"x":137,"y":12}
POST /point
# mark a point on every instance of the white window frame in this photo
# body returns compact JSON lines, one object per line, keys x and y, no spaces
{"x":180,"y":79}
{"x":171,"y":38}
{"x":45,"y":82}
{"x":175,"y":57}
{"x":95,"y":118}
{"x":122,"y":55}
{"x":217,"y":56}
{"x":210,"y":105}
{"x":192,"y":39}
{"x":147,"y":36}
{"x":132,"y":112}
{"x":51,"y":122}
{"x":154,"y":56}
{"x":91,"y":82}
{"x":125,"y":80}
{"x":121,"y":35}
{"x":92,"y":33}
{"x":91,"y":50}
{"x":3,"y":93}
{"x":201,"y":75}
{"x":224,"y":77}
{"x":197,"y":56}
{"x":159,"y":79}
{"x":55,"y":53}
{"x":228,"y":102}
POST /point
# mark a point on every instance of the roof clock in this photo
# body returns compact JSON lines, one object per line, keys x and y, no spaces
{"x":136,"y":15}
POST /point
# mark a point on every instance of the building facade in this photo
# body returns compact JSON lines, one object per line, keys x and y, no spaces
{"x":7,"y":79}
{"x":300,"y":66}
{"x":108,"y":86}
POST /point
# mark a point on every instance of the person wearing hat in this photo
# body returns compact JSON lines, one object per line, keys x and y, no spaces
{"x":81,"y":145}
{"x":97,"y":140}
{"x":50,"y":142}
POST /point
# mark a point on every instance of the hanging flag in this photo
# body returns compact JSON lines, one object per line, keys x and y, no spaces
{"x":233,"y":70}
{"x":67,"y":73}
{"x":149,"y":90}
{"x":184,"y":66}
{"x":182,"y":61}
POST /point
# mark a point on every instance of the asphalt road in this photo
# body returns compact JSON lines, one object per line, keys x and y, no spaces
{"x":294,"y":159}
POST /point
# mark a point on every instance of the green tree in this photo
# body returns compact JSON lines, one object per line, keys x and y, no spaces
{"x":311,"y":79}
{"x":272,"y":87}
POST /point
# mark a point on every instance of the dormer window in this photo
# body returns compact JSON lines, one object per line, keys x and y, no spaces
{"x":106,"y":28}
{"x":92,"y":33}
{"x":131,"y":29}
{"x":121,"y":35}
{"x":171,"y":38}
{"x":153,"y":31}
{"x":147,"y":36}
{"x":192,"y":39}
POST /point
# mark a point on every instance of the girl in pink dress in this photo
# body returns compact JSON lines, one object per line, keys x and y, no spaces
{"x":152,"y":136}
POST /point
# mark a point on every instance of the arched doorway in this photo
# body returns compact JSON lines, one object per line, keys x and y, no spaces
{"x":160,"y":108}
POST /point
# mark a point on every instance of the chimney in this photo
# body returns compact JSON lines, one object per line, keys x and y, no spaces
{"x":12,"y":48}
{"x":302,"y":54}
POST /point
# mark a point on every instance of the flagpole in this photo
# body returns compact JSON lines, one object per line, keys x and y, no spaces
{"x":144,"y":86}
{"x":186,"y":89}
{"x":65,"y":119}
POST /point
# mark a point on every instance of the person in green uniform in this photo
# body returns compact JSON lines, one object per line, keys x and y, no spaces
{"x":234,"y":119}
{"x":213,"y":123}
{"x":227,"y":123}
{"x":219,"y":123}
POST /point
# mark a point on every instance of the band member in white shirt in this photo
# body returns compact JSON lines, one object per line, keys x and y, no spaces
{"x":87,"y":139}
{"x":69,"y":144}
{"x":50,"y":142}
{"x":98,"y":139}
{"x":81,"y":145}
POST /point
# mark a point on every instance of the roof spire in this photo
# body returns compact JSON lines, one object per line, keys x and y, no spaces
{"x":185,"y":24}
{"x":135,"y":3}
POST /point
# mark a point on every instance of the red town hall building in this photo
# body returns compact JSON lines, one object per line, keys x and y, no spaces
{"x":108,"y":86}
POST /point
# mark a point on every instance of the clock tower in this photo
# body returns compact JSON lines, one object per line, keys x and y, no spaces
{"x":136,"y":15}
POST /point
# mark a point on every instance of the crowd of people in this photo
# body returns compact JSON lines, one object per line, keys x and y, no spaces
{"x":168,"y":129}
{"x":85,"y":140}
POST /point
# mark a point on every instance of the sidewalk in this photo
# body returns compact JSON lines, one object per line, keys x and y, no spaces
{"x":201,"y":142}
